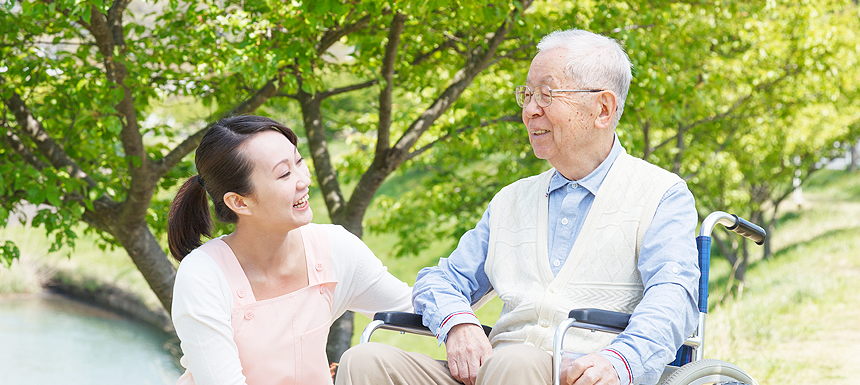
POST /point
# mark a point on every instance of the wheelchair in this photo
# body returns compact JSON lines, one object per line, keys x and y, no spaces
{"x":689,"y":367}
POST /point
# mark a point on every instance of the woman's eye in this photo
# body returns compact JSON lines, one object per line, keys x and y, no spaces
{"x":287,"y":175}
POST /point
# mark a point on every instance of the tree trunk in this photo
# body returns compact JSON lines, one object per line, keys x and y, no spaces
{"x":855,"y":157}
{"x":150,"y":259}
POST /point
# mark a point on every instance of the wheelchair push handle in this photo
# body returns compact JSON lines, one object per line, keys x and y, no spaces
{"x":734,"y":223}
{"x":749,"y":230}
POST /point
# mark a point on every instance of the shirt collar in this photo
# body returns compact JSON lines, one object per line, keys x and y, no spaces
{"x":592,"y":181}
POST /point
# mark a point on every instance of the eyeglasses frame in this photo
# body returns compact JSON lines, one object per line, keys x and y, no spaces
{"x":525,"y":103}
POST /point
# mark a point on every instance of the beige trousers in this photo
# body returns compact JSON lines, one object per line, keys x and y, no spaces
{"x":378,"y":364}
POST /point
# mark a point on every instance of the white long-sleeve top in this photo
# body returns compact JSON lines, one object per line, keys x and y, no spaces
{"x":203,"y":304}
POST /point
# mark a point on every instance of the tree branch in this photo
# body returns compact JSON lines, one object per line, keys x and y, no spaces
{"x":14,"y":142}
{"x":333,"y":35}
{"x":450,"y":43}
{"x":383,"y":133}
{"x":449,"y":135}
{"x":380,"y":168}
{"x":474,"y":65}
{"x":512,"y":52}
{"x":335,"y":91}
{"x":32,"y":128}
{"x":736,"y":105}
{"x":165,"y":164}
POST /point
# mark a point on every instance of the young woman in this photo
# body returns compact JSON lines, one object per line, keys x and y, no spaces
{"x":255,"y":306}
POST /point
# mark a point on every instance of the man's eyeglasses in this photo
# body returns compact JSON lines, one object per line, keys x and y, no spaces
{"x":542,"y":94}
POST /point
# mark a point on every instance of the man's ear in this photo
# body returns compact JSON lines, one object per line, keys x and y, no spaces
{"x":239,"y":204}
{"x":607,"y":102}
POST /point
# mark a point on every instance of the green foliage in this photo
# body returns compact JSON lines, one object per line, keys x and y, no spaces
{"x":738,"y":97}
{"x":9,"y":253}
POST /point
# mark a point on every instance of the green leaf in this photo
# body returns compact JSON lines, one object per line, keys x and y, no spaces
{"x":9,"y":253}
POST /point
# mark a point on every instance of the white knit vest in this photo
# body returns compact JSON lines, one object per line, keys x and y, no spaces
{"x":601,"y":270}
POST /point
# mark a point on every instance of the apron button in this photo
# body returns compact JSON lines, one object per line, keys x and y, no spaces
{"x":240,"y":293}
{"x":319,"y":266}
{"x":249,"y":315}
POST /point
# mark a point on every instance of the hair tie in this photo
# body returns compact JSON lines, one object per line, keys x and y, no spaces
{"x":200,"y":181}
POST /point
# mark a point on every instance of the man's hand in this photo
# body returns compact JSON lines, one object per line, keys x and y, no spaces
{"x":592,"y":369}
{"x":467,"y":347}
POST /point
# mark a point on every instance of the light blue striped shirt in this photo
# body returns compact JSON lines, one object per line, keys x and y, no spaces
{"x":665,"y":317}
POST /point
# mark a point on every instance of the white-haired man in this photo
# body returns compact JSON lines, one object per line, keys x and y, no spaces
{"x":600,"y":229}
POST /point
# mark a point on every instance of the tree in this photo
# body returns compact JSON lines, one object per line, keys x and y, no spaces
{"x":730,"y":97}
{"x":79,"y":79}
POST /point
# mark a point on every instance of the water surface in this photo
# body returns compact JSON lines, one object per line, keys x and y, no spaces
{"x":49,"y":339}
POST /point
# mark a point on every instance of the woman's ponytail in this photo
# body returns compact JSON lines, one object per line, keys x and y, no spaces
{"x":188,"y":218}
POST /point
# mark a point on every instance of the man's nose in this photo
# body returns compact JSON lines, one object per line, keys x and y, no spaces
{"x":532,"y":109}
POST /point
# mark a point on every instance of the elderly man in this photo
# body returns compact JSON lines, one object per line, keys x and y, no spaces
{"x":600,"y":229}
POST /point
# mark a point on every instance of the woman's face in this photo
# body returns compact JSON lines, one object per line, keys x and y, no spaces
{"x":280,"y":179}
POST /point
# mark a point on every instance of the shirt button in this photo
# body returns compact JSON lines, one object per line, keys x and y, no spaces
{"x":564,"y":221}
{"x":322,"y":289}
{"x":574,"y":185}
{"x":556,"y":263}
{"x":249,"y":315}
{"x":240,"y":293}
{"x":675,"y":270}
{"x":544,"y":323}
{"x":319,"y":266}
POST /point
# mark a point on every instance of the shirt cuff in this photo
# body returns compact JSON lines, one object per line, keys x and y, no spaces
{"x":454,"y":319}
{"x":622,"y":366}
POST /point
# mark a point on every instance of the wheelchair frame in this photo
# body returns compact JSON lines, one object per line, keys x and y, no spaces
{"x":613,"y":322}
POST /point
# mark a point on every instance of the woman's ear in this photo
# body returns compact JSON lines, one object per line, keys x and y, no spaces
{"x":608,"y":104}
{"x":239,"y":204}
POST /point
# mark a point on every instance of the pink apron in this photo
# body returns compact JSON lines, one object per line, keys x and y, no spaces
{"x":281,"y":340}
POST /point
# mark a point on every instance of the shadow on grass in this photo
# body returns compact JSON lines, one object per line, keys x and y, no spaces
{"x":839,"y":184}
{"x":717,"y":285}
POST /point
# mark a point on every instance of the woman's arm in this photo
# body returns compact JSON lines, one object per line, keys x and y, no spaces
{"x":202,"y":307}
{"x":364,"y":284}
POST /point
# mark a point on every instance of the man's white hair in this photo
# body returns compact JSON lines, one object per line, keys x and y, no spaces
{"x":593,"y":62}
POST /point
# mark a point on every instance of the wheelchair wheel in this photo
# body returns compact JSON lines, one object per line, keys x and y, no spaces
{"x":709,"y":372}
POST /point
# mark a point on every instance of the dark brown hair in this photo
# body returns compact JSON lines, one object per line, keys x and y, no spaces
{"x":222,"y":168}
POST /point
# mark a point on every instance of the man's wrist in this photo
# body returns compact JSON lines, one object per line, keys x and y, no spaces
{"x":454,"y":319}
{"x":621,"y":365}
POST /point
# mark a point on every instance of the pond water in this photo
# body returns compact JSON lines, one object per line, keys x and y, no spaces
{"x":49,"y":339}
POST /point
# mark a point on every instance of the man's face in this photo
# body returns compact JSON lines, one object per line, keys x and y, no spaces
{"x":565,"y":129}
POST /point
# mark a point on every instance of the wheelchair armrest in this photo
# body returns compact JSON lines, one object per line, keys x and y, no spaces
{"x":403,"y":322}
{"x":400,"y":318}
{"x":605,"y":320}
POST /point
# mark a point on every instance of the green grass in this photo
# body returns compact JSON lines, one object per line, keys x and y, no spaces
{"x":88,"y":265}
{"x":796,"y":316}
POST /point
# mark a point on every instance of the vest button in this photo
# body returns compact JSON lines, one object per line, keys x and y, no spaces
{"x":249,"y":315}
{"x":240,"y":293}
{"x":319,"y":266}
